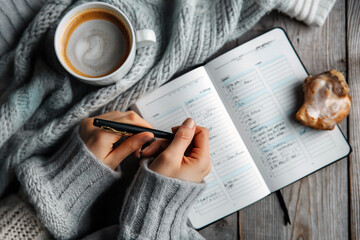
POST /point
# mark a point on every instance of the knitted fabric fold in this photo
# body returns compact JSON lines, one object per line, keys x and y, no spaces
{"x":312,"y":12}
{"x":85,"y":100}
{"x":63,"y":187}
{"x":45,"y":102}
{"x":188,"y":32}
{"x":157,"y":207}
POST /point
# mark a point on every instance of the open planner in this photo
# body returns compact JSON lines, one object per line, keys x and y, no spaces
{"x":247,"y":98}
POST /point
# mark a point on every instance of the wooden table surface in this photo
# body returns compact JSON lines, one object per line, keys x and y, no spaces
{"x":326,"y":204}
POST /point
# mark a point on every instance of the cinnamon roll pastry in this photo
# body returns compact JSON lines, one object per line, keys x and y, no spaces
{"x":327,"y":101}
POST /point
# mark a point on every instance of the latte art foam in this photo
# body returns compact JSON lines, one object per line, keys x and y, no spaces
{"x":96,"y":47}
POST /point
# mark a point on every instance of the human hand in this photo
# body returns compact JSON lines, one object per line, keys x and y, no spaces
{"x":174,"y":161}
{"x":100,"y":142}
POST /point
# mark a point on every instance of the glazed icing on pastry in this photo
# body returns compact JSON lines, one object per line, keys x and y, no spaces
{"x":327,"y":100}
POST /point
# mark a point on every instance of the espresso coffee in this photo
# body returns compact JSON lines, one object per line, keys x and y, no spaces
{"x":95,"y":43}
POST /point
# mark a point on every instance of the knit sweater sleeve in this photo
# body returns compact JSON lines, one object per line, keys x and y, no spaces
{"x":157,"y":207}
{"x":64,"y":186}
{"x":312,"y":12}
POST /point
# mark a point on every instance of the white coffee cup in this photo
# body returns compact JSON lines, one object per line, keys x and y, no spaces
{"x":87,"y":47}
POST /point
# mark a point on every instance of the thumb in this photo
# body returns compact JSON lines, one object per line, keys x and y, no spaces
{"x":127,"y":147}
{"x":182,"y":138}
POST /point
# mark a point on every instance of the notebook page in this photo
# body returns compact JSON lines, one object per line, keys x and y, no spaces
{"x":234,"y":181}
{"x":260,"y":83}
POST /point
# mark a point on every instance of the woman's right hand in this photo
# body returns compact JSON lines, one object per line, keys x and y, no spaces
{"x":180,"y":160}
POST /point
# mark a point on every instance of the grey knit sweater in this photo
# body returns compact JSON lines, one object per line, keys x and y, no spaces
{"x":62,"y":178}
{"x":64,"y":186}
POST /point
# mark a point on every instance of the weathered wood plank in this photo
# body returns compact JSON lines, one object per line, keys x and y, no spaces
{"x":226,"y":228}
{"x":318,"y":204}
{"x":353,"y":36}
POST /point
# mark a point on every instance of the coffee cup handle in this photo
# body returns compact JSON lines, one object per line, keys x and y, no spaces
{"x":145,"y":37}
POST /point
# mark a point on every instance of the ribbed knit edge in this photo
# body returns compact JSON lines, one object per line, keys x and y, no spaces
{"x":157,"y":207}
{"x":18,"y":220}
{"x":63,"y":187}
{"x":312,"y":12}
{"x":323,"y":11}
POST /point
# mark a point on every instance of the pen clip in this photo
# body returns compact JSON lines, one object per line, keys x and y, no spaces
{"x":111,"y":130}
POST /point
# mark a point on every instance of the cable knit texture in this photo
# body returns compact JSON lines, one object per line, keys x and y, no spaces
{"x":312,"y":12}
{"x":19,"y":221}
{"x":163,"y":215}
{"x":62,"y":187}
{"x":36,"y":90}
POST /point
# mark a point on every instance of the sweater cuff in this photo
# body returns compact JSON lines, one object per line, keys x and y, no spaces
{"x":157,"y":206}
{"x":64,"y":186}
{"x":312,"y":12}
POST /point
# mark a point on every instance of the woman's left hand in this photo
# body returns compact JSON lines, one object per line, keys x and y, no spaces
{"x":100,"y":142}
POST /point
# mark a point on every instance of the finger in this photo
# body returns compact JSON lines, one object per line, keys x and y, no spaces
{"x":174,"y":129}
{"x":130,"y":117}
{"x":199,"y":157}
{"x":100,"y":143}
{"x":112,"y":116}
{"x":138,"y":152}
{"x":139,"y":122}
{"x":109,"y":115}
{"x":182,"y":139}
{"x":87,"y":125}
{"x":128,"y":146}
{"x":155,"y":148}
{"x":189,"y":148}
{"x":200,"y":148}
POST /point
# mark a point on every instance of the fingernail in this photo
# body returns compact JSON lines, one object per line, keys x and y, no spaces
{"x":189,"y":122}
{"x":143,"y":151}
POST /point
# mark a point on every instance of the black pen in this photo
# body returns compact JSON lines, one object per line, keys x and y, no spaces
{"x":128,"y":129}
